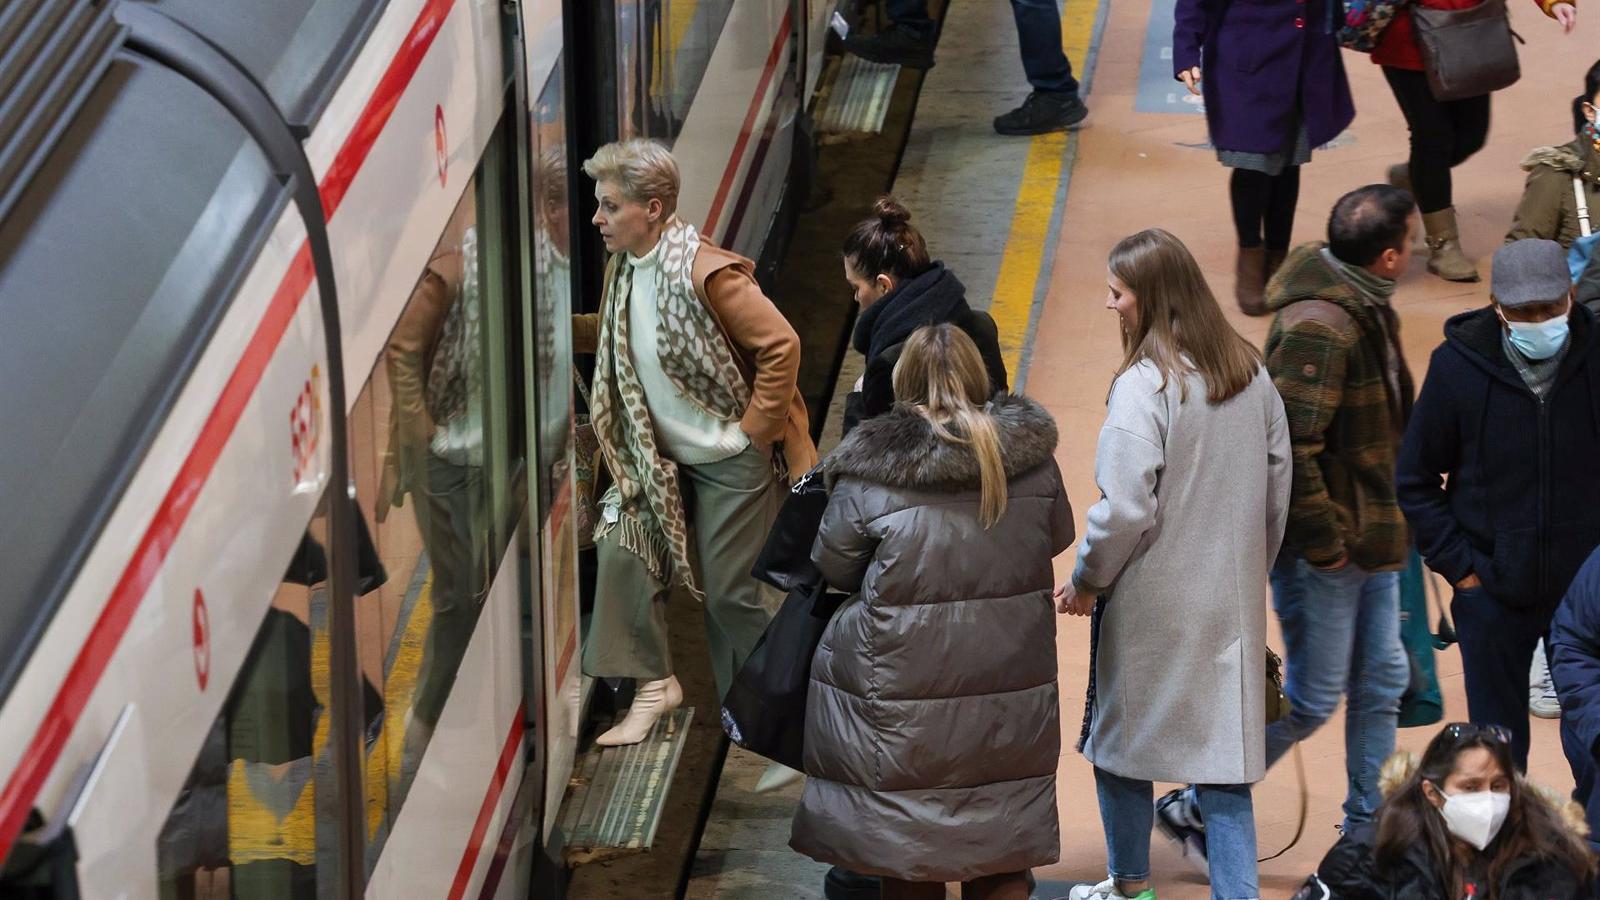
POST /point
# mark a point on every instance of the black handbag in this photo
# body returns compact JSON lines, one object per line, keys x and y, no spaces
{"x":785,"y":559}
{"x":1467,"y":52}
{"x":765,"y":708}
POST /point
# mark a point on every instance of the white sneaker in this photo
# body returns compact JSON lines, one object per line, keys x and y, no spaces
{"x":776,"y":777}
{"x":650,"y":702}
{"x":1107,"y":890}
{"x":1542,"y":699}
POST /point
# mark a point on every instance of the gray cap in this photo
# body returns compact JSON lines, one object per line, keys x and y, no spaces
{"x":1530,"y":271}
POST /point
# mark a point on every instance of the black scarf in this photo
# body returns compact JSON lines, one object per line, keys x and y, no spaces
{"x":930,"y":298}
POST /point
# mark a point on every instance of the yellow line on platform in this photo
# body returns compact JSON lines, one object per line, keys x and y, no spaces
{"x":1023,"y":259}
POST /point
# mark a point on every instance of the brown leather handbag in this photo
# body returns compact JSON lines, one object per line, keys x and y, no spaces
{"x":1467,"y":52}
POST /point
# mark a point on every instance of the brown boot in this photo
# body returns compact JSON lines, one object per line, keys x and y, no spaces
{"x":1250,"y":280}
{"x":1275,"y":258}
{"x":1445,"y":257}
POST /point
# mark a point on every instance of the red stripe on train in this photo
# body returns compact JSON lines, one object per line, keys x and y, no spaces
{"x":50,"y":738}
{"x":491,"y":800}
{"x":747,"y":129}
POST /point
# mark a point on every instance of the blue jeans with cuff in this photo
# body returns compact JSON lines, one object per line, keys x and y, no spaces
{"x":1127,"y":811}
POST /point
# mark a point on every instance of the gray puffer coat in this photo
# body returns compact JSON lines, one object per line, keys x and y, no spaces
{"x":932,"y":723}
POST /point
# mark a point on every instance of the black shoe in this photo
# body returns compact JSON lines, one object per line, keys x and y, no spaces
{"x":1043,"y":112}
{"x":899,"y":46}
{"x":843,"y":884}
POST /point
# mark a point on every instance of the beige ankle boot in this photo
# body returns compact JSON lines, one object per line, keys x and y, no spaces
{"x":653,"y":700}
{"x":1445,"y":257}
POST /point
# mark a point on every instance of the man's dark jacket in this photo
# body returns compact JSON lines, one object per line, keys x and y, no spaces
{"x":1521,"y":509}
{"x":1575,"y":669}
{"x":932,"y":298}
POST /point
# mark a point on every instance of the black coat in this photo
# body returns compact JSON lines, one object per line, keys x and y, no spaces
{"x":1349,"y":872}
{"x":935,"y":297}
{"x":1521,"y":509}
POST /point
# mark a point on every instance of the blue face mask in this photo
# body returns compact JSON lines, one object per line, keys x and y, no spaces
{"x":1539,"y":340}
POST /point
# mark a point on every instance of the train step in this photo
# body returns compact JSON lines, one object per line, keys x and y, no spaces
{"x":618,"y":793}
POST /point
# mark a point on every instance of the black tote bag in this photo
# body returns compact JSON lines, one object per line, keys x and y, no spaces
{"x":765,"y":709}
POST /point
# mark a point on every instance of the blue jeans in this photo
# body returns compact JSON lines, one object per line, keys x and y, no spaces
{"x":1342,"y":631}
{"x":1038,"y":37}
{"x":1127,"y":810}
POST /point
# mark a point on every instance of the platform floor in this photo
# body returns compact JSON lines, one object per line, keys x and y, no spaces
{"x":1027,"y":223}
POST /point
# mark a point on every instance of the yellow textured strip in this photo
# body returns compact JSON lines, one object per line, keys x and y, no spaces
{"x":1012,"y":307}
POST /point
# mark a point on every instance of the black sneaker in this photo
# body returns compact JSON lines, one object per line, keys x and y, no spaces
{"x":1179,"y":820}
{"x":899,"y":46}
{"x":843,"y":884}
{"x":1043,"y":112}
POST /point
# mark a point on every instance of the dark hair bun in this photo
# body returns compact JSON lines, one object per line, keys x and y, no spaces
{"x":890,"y":212}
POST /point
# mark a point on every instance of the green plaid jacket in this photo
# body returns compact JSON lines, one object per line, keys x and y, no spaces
{"x":1328,"y":353}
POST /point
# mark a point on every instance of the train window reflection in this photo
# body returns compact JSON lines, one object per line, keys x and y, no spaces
{"x":255,"y":820}
{"x":663,"y":50}
{"x":419,"y":453}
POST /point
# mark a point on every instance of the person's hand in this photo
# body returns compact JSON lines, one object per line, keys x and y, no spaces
{"x":1567,"y":15}
{"x":1070,"y":602}
{"x":1468,"y":583}
{"x":1336,"y":565}
{"x":1191,"y":79}
{"x":764,"y":446}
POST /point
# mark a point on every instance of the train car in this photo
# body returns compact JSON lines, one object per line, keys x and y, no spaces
{"x":290,"y":605}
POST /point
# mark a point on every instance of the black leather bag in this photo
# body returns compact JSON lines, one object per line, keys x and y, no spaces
{"x":765,"y":709}
{"x":785,"y":559}
{"x":1467,"y":52}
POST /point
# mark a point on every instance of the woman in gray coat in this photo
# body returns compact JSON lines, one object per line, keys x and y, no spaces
{"x":1194,"y":471}
{"x":932,"y":726}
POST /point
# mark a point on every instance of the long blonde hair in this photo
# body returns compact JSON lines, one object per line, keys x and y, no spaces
{"x":1178,"y":316}
{"x":941,"y":375}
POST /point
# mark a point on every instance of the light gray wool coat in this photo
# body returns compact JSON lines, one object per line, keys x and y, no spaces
{"x":1194,"y":497}
{"x":932,"y":723}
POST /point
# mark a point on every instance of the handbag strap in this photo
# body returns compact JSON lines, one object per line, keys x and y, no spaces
{"x":583,"y":388}
{"x":1582,"y":197}
{"x":1305,"y":803}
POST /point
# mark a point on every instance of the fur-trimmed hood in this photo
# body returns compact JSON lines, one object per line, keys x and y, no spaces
{"x":1399,"y":767}
{"x":1572,"y":159}
{"x":900,"y":449}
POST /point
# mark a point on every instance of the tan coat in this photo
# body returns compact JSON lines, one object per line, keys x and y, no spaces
{"x":765,"y":346}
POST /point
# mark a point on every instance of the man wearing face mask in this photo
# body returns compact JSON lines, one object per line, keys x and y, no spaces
{"x":1497,"y":471}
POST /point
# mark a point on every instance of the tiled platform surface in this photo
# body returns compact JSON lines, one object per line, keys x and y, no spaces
{"x":1132,"y":171}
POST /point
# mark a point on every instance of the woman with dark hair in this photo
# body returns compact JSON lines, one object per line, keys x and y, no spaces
{"x":1195,"y":443}
{"x":1444,"y":133}
{"x":1549,"y":207}
{"x":900,"y":289}
{"x":1461,"y":823}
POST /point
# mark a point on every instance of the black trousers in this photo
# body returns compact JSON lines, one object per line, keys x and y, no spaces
{"x":1497,"y":647}
{"x":1444,"y":134}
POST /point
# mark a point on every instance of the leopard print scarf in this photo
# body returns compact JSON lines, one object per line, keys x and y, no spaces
{"x":699,"y":363}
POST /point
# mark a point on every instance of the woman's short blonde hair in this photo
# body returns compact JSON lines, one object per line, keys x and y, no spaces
{"x":643,"y":168}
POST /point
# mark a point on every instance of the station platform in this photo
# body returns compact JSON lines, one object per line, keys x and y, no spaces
{"x":1026,"y":223}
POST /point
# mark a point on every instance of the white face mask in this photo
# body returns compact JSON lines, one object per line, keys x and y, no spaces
{"x":1475,"y":818}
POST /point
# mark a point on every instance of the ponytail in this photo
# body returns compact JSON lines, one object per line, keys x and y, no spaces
{"x":886,"y":243}
{"x":941,"y":374}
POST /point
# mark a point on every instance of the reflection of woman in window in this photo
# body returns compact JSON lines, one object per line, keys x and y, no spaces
{"x":435,"y":454}
{"x":694,"y":380}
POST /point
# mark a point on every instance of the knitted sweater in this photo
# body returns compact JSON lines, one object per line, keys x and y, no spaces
{"x":1336,"y":360}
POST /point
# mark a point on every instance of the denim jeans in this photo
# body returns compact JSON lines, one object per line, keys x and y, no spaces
{"x":1342,"y":632}
{"x":1038,"y":37}
{"x":1497,"y":646}
{"x":1127,"y":811}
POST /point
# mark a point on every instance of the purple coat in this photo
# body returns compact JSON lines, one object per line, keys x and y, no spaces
{"x":1261,"y":61}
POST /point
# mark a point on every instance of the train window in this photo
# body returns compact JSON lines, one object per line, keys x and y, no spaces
{"x":434,"y":462}
{"x":663,"y":50}
{"x":255,"y":819}
{"x":115,"y":266}
{"x":296,"y":49}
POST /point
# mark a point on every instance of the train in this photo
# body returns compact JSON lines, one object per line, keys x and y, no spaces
{"x":290,"y":597}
